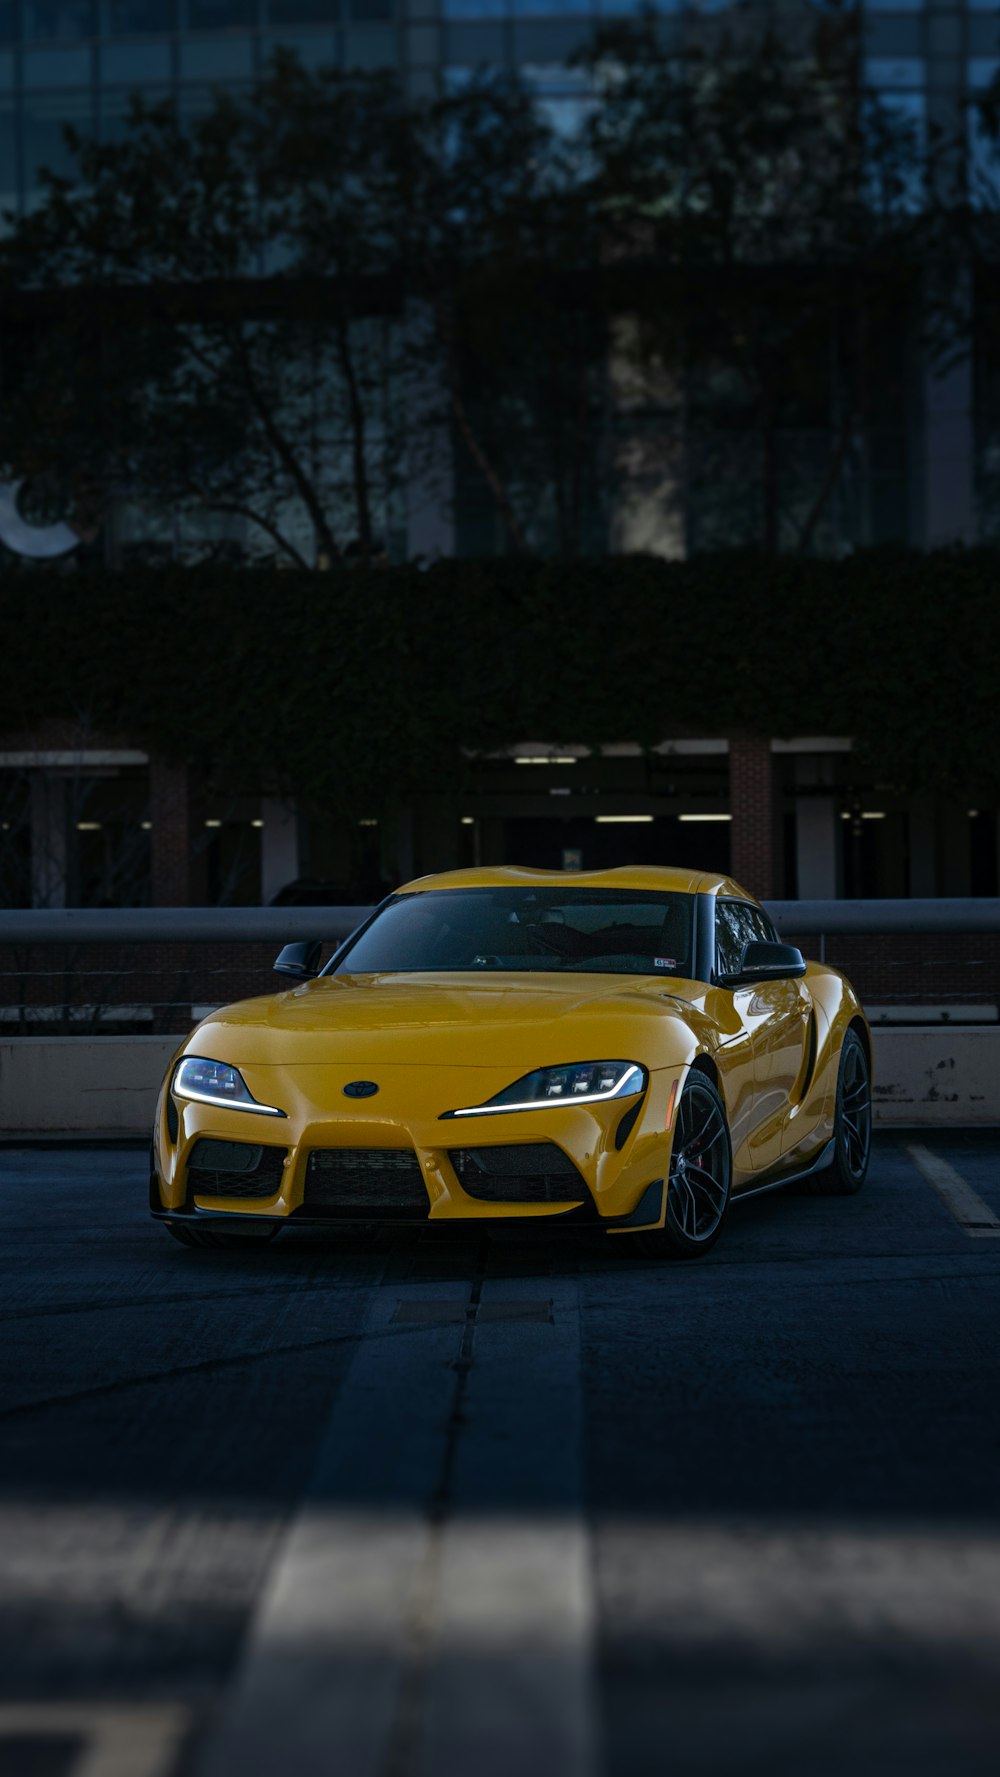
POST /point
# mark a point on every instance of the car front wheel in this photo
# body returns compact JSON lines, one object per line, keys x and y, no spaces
{"x":700,"y":1177}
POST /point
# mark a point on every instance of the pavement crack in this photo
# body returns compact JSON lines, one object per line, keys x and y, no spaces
{"x":206,"y":1365}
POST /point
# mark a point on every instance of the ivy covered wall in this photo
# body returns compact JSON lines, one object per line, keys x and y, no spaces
{"x":350,"y":690}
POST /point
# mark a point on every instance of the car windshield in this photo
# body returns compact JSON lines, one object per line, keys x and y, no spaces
{"x":545,"y":930}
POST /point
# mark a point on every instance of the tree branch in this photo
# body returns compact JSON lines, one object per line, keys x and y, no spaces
{"x":358,"y":456}
{"x":475,"y":449}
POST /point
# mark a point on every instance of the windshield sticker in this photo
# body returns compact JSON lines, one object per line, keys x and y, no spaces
{"x":665,"y":962}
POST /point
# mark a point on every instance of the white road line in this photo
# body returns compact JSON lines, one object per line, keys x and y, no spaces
{"x":973,"y":1216}
{"x":394,"y":1641}
{"x":510,"y":1681}
{"x":127,"y":1740}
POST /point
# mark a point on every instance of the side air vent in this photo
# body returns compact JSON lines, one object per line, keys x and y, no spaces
{"x":809,"y":1064}
{"x":234,"y":1169}
{"x":518,"y":1172}
{"x":627,"y":1124}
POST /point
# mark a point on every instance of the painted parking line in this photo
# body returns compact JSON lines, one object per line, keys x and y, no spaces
{"x":973,"y":1216}
{"x":408,"y":1628}
{"x":102,"y":1740}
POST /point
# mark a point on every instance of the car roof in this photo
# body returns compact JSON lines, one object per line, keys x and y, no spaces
{"x":656,"y":878}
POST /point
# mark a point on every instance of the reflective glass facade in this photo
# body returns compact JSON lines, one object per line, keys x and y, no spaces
{"x":76,"y":61}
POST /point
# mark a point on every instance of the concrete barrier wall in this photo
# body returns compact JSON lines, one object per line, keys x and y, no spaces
{"x":937,"y":1075}
{"x":107,"y":1086}
{"x":81,"y":1086}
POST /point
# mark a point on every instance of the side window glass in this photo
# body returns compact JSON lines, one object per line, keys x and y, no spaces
{"x":728,"y":938}
{"x":736,"y":924}
{"x":763,"y":929}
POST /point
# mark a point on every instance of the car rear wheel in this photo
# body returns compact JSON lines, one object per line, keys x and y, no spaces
{"x":852,"y":1125}
{"x":223,"y":1237}
{"x":700,"y":1177}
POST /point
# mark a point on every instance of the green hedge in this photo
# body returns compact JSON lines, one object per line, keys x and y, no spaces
{"x":352,"y":689}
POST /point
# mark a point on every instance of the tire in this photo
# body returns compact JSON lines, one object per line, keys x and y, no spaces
{"x":223,"y":1237}
{"x":852,"y":1126}
{"x":701,"y":1152}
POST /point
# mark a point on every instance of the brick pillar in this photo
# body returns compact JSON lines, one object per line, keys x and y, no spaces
{"x":170,"y":815}
{"x":752,"y":801}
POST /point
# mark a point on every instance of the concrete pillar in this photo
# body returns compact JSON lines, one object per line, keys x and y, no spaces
{"x":923,"y":847}
{"x":171,"y":836}
{"x":279,"y":847}
{"x":403,"y":866}
{"x":752,"y":801}
{"x":955,"y":850}
{"x":437,"y":841}
{"x":815,"y":830}
{"x":49,"y":840}
{"x":816,"y":847}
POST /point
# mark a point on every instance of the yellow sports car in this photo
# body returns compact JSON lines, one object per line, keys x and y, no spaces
{"x":631,"y":1048}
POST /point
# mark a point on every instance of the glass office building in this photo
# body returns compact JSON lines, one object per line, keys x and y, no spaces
{"x":78,"y":61}
{"x":75,"y":61}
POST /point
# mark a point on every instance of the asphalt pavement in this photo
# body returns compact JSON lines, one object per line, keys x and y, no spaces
{"x":426,"y":1504}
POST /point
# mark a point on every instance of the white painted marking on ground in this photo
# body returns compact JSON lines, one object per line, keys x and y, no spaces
{"x":391,"y":1642}
{"x":510,"y":1682}
{"x":973,"y":1216}
{"x":130,"y":1740}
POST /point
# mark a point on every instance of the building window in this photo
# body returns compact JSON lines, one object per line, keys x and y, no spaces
{"x":60,"y":18}
{"x":141,"y":18}
{"x":8,"y":159}
{"x":303,"y":12}
{"x":474,"y":9}
{"x":211,"y":15}
{"x":45,"y":120}
{"x":217,"y":58}
{"x":135,"y":64}
{"x":116,"y":110}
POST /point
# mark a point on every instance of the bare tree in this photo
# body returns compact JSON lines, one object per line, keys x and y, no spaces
{"x":207,"y":315}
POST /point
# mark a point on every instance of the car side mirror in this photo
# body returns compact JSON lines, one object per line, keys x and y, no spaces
{"x":301,"y":961}
{"x":766,"y":962}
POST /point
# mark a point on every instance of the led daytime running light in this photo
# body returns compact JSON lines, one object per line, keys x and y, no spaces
{"x":217,"y":1083}
{"x":558,"y":1086}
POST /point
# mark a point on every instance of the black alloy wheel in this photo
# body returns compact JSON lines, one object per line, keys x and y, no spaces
{"x":700,"y":1177}
{"x":852,"y":1125}
{"x":223,"y":1237}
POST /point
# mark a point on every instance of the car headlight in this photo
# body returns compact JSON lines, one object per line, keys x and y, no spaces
{"x":215,"y":1082}
{"x":581,"y":1082}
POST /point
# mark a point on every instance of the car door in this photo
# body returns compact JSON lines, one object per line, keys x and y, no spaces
{"x":776,"y":1017}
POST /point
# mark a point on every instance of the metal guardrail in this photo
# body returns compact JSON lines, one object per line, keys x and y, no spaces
{"x":279,"y":925}
{"x":176,"y":925}
{"x":971,"y":913}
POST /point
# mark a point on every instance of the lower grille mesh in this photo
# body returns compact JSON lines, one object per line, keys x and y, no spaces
{"x":518,"y":1172}
{"x":234,"y":1169}
{"x":352,"y":1180}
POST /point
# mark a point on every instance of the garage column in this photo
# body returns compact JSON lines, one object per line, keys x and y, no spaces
{"x":279,"y":847}
{"x":171,"y":835}
{"x":49,"y":836}
{"x":815,"y":829}
{"x":752,"y":803}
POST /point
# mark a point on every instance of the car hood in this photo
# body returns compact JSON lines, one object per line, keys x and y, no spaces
{"x":457,"y":1021}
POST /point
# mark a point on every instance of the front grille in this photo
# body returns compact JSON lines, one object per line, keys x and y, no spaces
{"x":352,"y":1181}
{"x":519,"y":1172}
{"x":234,"y":1169}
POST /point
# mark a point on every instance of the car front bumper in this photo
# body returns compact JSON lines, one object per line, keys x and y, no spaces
{"x":620,"y":1149}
